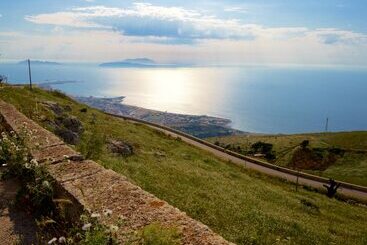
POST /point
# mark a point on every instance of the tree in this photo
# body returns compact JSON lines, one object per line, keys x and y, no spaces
{"x":305,"y":143}
{"x":332,"y":188}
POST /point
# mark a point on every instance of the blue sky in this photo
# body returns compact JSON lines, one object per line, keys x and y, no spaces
{"x":312,"y":32}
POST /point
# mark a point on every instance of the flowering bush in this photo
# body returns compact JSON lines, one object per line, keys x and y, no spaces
{"x":36,"y":190}
{"x":37,"y":196}
{"x":13,"y":153}
{"x":94,"y":233}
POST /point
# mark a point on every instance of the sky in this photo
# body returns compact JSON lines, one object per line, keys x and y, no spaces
{"x":232,"y":32}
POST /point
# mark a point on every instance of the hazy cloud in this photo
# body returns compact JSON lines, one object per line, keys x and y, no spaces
{"x":180,"y":25}
{"x":176,"y":34}
{"x":236,"y":9}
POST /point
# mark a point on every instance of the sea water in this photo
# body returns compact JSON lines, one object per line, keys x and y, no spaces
{"x":256,"y":98}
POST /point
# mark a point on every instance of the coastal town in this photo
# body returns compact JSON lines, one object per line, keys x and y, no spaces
{"x":199,"y":126}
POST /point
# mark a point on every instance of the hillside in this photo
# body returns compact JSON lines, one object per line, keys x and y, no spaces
{"x":341,"y":155}
{"x":241,"y":205}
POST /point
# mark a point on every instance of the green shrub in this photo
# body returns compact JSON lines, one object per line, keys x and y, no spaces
{"x":60,"y":94}
{"x":92,"y":144}
{"x":304,"y":144}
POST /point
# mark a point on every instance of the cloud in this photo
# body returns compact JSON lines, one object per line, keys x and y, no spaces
{"x":142,"y":19}
{"x":182,"y":26}
{"x":176,"y":34}
{"x":63,"y":19}
{"x":105,"y":45}
{"x":336,"y":36}
{"x":9,"y":34}
{"x":236,"y":10}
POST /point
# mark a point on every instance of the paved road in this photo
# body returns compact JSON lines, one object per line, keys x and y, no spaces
{"x":352,"y":193}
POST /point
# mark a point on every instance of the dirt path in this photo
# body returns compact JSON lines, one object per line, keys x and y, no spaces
{"x":16,"y":226}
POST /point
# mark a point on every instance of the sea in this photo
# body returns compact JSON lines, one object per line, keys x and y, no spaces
{"x":261,"y":99}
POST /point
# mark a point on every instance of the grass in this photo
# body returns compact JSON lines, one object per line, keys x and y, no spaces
{"x":243,"y":206}
{"x":352,"y":167}
{"x":156,"y":234}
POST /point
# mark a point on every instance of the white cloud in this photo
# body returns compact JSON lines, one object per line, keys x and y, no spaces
{"x":102,"y":33}
{"x":236,"y":9}
{"x":104,"y":45}
{"x":73,"y":19}
{"x":9,"y":34}
{"x":143,"y":19}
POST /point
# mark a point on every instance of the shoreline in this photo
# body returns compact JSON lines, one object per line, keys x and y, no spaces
{"x":201,"y":126}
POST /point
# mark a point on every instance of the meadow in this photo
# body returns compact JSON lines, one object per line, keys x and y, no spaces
{"x":243,"y":206}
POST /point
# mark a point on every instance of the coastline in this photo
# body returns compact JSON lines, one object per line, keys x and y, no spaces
{"x":199,"y":126}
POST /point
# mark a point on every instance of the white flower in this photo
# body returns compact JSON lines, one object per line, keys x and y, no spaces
{"x":86,"y":226}
{"x":25,"y":158}
{"x":46,"y":184}
{"x":62,"y":239}
{"x":66,"y":157}
{"x":34,"y":162}
{"x":3,"y":134}
{"x":52,"y":240}
{"x":107,"y":212}
{"x":95,"y":215}
{"x":113,"y":228}
{"x":4,"y":165}
{"x":27,"y":165}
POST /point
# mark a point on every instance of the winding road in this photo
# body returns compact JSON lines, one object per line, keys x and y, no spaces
{"x":346,"y":189}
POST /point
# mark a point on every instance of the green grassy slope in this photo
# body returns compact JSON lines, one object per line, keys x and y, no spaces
{"x":243,"y":206}
{"x":352,"y":167}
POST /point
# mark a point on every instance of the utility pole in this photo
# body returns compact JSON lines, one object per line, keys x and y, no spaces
{"x":30,"y":74}
{"x":297,"y":182}
{"x":327,"y":124}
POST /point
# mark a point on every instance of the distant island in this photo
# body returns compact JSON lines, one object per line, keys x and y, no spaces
{"x":137,"y":62}
{"x":39,"y":62}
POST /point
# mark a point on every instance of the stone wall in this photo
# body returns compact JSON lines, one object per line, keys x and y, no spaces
{"x":91,"y":187}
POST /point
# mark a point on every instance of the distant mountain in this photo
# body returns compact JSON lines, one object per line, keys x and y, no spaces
{"x":140,"y":63}
{"x":38,"y":62}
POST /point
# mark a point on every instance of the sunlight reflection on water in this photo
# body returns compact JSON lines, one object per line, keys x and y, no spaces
{"x":256,"y":99}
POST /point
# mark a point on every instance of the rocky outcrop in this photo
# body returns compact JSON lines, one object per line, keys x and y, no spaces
{"x":120,"y":147}
{"x":67,"y":127}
